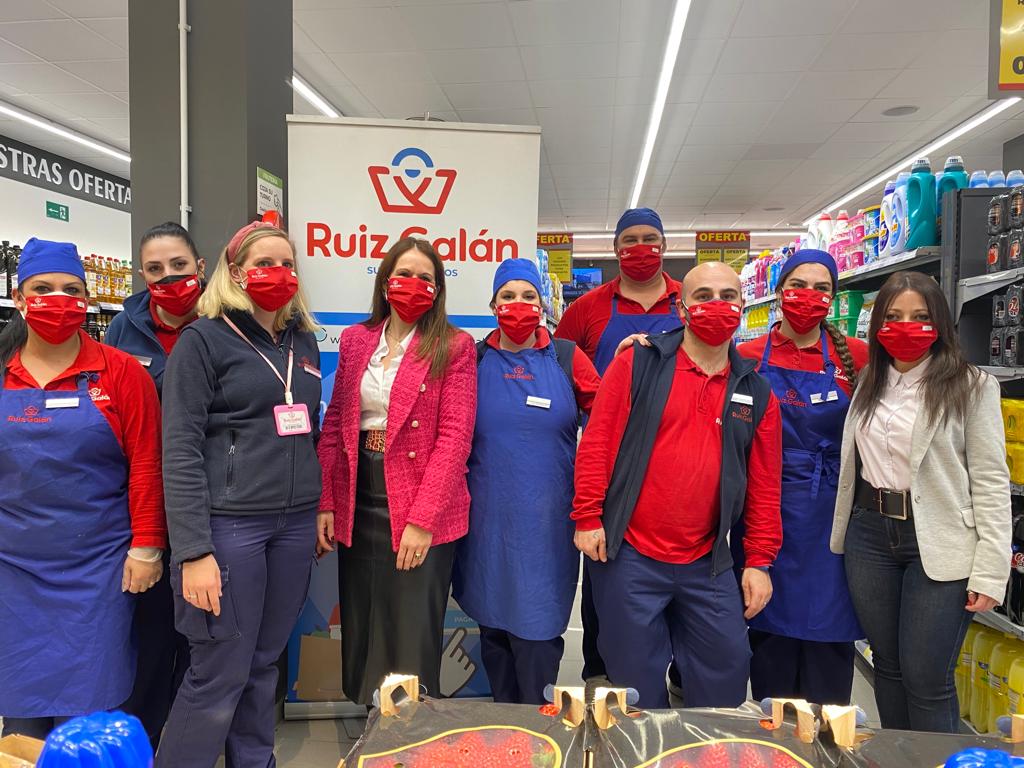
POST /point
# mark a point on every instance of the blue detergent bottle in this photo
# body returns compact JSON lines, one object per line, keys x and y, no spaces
{"x":921,"y":205}
{"x":1015,"y":178}
{"x":900,"y":225}
{"x":979,"y":180}
{"x":953,"y":177}
{"x":102,"y":740}
{"x":996,"y":179}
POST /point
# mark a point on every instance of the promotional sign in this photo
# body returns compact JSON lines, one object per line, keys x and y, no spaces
{"x":269,"y":191}
{"x":730,"y":246}
{"x":357,"y":187}
{"x":559,"y":248}
{"x":1006,"y":48}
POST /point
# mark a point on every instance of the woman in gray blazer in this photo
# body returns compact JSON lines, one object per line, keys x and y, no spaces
{"x":923,"y":510}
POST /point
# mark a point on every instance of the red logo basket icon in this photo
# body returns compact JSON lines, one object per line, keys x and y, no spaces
{"x":412,"y":197}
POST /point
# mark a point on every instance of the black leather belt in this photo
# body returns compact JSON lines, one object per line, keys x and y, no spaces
{"x":892,"y":504}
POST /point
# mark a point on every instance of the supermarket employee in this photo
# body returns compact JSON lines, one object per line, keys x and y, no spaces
{"x":683,"y":440}
{"x":81,"y":517}
{"x":516,"y":570}
{"x":642,"y":299}
{"x":802,"y":642}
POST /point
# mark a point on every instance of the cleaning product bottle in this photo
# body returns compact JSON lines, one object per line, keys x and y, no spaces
{"x":1015,"y":178}
{"x":885,"y":216}
{"x":962,"y":676}
{"x":953,"y":177}
{"x":979,"y":180}
{"x":820,"y":232}
{"x":1003,"y":655}
{"x":984,"y":642}
{"x":1015,"y":686}
{"x":900,"y":225}
{"x":921,"y":205}
{"x":996,"y":179}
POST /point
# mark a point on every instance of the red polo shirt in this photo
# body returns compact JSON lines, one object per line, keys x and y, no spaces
{"x":586,"y":318}
{"x":677,"y":514}
{"x":126,"y":396}
{"x":785,"y":354}
{"x":585,"y":380}
{"x":166,"y":334}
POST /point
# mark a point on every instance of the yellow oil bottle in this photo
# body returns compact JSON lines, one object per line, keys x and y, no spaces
{"x":984,"y":642}
{"x":1003,"y":655}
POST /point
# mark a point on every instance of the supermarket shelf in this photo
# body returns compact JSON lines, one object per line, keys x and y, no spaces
{"x":1004,"y":373}
{"x":108,"y":307}
{"x":1016,"y":490}
{"x":881,"y":267}
{"x":1000,"y":622}
{"x":971,"y":288}
{"x":760,"y":302}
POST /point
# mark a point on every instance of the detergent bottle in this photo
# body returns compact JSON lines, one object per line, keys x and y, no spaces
{"x":1015,"y":686}
{"x":953,"y":177}
{"x":1015,"y":178}
{"x":1003,"y":655}
{"x":921,"y":205}
{"x":820,"y":233}
{"x":102,"y":740}
{"x":979,"y":180}
{"x":899,"y":225}
{"x":996,"y":179}
{"x":981,"y":651}
{"x":962,"y":676}
{"x":884,"y":217}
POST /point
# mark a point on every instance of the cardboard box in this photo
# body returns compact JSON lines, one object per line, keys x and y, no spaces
{"x":319,"y":669}
{"x":19,"y":751}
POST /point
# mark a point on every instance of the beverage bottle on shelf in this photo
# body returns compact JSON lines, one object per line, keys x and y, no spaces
{"x":118,"y":281}
{"x":5,"y":249}
{"x":13,"y":260}
{"x":110,"y":284}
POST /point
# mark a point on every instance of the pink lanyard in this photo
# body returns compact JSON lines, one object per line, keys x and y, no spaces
{"x":291,"y":359}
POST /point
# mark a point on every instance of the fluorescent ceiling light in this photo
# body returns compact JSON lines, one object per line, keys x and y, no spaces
{"x":668,"y":65}
{"x":64,"y":133}
{"x":314,"y":98}
{"x":779,"y":233}
{"x":966,"y":127}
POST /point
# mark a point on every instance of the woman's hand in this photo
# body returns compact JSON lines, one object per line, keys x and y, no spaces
{"x":324,"y":533}
{"x":412,"y":551}
{"x":627,"y":342}
{"x":980,"y":603}
{"x":592,"y":544}
{"x":200,"y":584}
{"x":139,"y":575}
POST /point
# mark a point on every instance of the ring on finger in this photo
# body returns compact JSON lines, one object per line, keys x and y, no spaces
{"x":417,"y":555}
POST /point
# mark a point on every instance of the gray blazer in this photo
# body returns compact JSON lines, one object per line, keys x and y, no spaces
{"x":960,"y":486}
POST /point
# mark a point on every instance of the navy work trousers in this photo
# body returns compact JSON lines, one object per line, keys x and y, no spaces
{"x":519,"y":669}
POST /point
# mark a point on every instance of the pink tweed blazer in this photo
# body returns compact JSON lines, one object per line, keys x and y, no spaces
{"x":429,"y":437}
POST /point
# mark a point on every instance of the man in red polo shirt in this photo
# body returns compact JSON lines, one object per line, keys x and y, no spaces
{"x":684,"y":440}
{"x":642,"y":299}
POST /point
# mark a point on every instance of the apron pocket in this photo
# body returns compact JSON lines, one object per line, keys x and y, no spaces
{"x":201,"y":626}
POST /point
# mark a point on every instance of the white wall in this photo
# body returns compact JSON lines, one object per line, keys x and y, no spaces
{"x":93,"y":228}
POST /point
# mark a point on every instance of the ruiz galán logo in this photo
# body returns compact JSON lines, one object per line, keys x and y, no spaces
{"x":411,"y":184}
{"x":519,"y":374}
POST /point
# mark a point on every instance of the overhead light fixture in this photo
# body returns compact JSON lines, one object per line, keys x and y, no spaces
{"x":307,"y":92}
{"x":64,"y":133}
{"x":668,"y":65}
{"x":947,"y":138}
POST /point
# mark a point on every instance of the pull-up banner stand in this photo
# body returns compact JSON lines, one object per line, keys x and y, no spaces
{"x":356,"y":187}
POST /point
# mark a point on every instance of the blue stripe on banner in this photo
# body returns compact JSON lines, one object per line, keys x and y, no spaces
{"x":351,"y":318}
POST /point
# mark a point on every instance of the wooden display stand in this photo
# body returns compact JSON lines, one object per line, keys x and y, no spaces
{"x":572,"y":700}
{"x":408,"y":684}
{"x":602,"y":714}
{"x":806,"y":722}
{"x":843,"y":722}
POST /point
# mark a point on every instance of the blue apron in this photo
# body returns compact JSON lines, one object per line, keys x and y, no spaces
{"x":810,"y":599}
{"x":517,"y":567}
{"x":65,"y":624}
{"x":620,"y":326}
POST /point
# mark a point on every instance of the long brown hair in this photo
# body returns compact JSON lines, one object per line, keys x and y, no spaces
{"x":843,"y":350}
{"x":949,"y":383}
{"x":435,"y":330}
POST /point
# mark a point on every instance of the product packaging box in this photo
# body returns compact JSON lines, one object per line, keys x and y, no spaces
{"x":1013,"y":300}
{"x":996,"y":346}
{"x":1015,"y":249}
{"x":995,"y":259}
{"x":319,"y":669}
{"x":1013,"y":347}
{"x":19,"y":751}
{"x":999,"y":310}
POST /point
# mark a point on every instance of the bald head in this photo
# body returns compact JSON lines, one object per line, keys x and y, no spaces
{"x":709,"y":281}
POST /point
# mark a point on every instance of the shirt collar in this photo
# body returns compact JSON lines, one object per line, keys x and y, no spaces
{"x":543,"y":338}
{"x":685,"y":363}
{"x":403,"y":345}
{"x":779,"y":339}
{"x":160,"y":325}
{"x":90,"y":358}
{"x":672,"y":287}
{"x":912,"y":377}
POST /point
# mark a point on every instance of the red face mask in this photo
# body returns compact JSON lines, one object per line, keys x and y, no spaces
{"x":55,"y":317}
{"x":410,"y":297}
{"x":271,"y":288}
{"x":176,"y":294}
{"x":805,"y":308}
{"x":640,"y":262}
{"x":907,"y":342}
{"x":518,"y":320}
{"x":713,"y":322}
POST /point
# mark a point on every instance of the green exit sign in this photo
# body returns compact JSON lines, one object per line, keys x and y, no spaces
{"x":56,"y":211}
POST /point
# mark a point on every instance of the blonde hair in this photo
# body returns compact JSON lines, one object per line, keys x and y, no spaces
{"x":223,"y":293}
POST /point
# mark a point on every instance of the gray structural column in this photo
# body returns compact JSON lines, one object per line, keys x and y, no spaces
{"x":239,"y":72}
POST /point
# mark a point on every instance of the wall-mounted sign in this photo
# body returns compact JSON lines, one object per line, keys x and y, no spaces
{"x":1006,"y":49}
{"x":728,"y":245}
{"x":559,"y":248}
{"x":39,"y":168}
{"x":269,"y":192}
{"x":57,"y":211}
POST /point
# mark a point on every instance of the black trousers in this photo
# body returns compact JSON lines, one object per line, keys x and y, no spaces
{"x":519,"y":670}
{"x":788,"y":668}
{"x":391,"y":620}
{"x":593,"y":664}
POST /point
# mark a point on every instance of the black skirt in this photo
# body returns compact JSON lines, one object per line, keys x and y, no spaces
{"x":391,"y":620}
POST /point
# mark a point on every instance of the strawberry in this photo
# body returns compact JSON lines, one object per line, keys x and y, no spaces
{"x":753,"y":756}
{"x":782,"y":760}
{"x":714,"y":755}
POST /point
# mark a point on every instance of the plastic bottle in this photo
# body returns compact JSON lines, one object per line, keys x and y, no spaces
{"x":885,"y":216}
{"x":953,"y":177}
{"x":981,"y":651}
{"x":1015,"y":178}
{"x":820,"y":232}
{"x":979,"y":180}
{"x":899,"y":224}
{"x":962,"y":675}
{"x":1015,"y":686}
{"x":1003,"y":655}
{"x":921,"y":206}
{"x":996,"y":179}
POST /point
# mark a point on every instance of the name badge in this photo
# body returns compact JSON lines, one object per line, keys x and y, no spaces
{"x":815,"y":398}
{"x":62,"y":402}
{"x":742,"y":399}
{"x":312,"y":371}
{"x":143,"y":360}
{"x":538,"y":402}
{"x":292,"y":420}
{"x":833,"y":395}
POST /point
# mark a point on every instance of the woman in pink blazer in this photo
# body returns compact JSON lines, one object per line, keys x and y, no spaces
{"x":393,"y":449}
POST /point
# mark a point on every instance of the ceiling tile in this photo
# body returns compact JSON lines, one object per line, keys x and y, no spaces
{"x":351,"y":101}
{"x":384,"y":68}
{"x":634,"y":91}
{"x":827,"y":86}
{"x":935,"y":15}
{"x":109,"y":76}
{"x":851,"y":150}
{"x":950,"y":81}
{"x":871,"y":131}
{"x":636,"y":60}
{"x":319,"y":68}
{"x":88,"y":105}
{"x":927,"y":109}
{"x":714,"y":19}
{"x":42,"y":78}
{"x":28,"y":10}
{"x":753,"y":86}
{"x":565,"y":21}
{"x":402,"y":100}
{"x":113,"y":129}
{"x":787,"y":152}
{"x":729,"y":112}
{"x":776,"y":132}
{"x":475,"y":65}
{"x":798,"y":110}
{"x":689,"y":88}
{"x":113,"y":30}
{"x":780,"y":18}
{"x":969,"y":47}
{"x":350,"y":30}
{"x":787,"y":54}
{"x":638,"y":18}
{"x":301,"y":42}
{"x":737,"y":133}
{"x":92,"y":9}
{"x":581,"y":93}
{"x":476,"y":25}
{"x":60,"y":40}
{"x":725,"y":152}
{"x":499,"y":116}
{"x":514,"y":95}
{"x":871,"y":51}
{"x":697,"y":57}
{"x":557,"y":62}
{"x":11,"y":53}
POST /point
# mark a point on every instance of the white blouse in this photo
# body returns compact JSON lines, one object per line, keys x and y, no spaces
{"x":884,"y":442}
{"x":375,"y":387}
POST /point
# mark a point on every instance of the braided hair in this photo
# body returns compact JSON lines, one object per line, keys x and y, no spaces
{"x":843,"y":350}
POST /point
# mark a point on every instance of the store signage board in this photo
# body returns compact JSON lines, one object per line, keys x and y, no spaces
{"x":559,"y":248}
{"x":57,"y":211}
{"x":269,"y":191}
{"x":26,"y":164}
{"x":1006,"y":49}
{"x":727,"y":245}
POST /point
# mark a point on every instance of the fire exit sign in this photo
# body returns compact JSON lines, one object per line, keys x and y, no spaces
{"x":57,"y":211}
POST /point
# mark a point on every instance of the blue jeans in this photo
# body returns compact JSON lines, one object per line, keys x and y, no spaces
{"x":915,"y":625}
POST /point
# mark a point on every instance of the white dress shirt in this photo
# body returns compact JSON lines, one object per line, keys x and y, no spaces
{"x":884,"y":441}
{"x":375,"y":387}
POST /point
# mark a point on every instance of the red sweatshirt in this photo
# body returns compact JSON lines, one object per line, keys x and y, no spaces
{"x":585,"y":380}
{"x":677,"y":514}
{"x":126,"y":396}
{"x":785,"y":354}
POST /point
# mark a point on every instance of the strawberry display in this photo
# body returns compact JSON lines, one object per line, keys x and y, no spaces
{"x":479,"y":748}
{"x":728,"y":754}
{"x":714,"y":755}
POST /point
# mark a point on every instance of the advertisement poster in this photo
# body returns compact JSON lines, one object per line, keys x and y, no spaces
{"x":269,"y":191}
{"x":356,"y":187}
{"x":728,"y":245}
{"x":559,"y":248}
